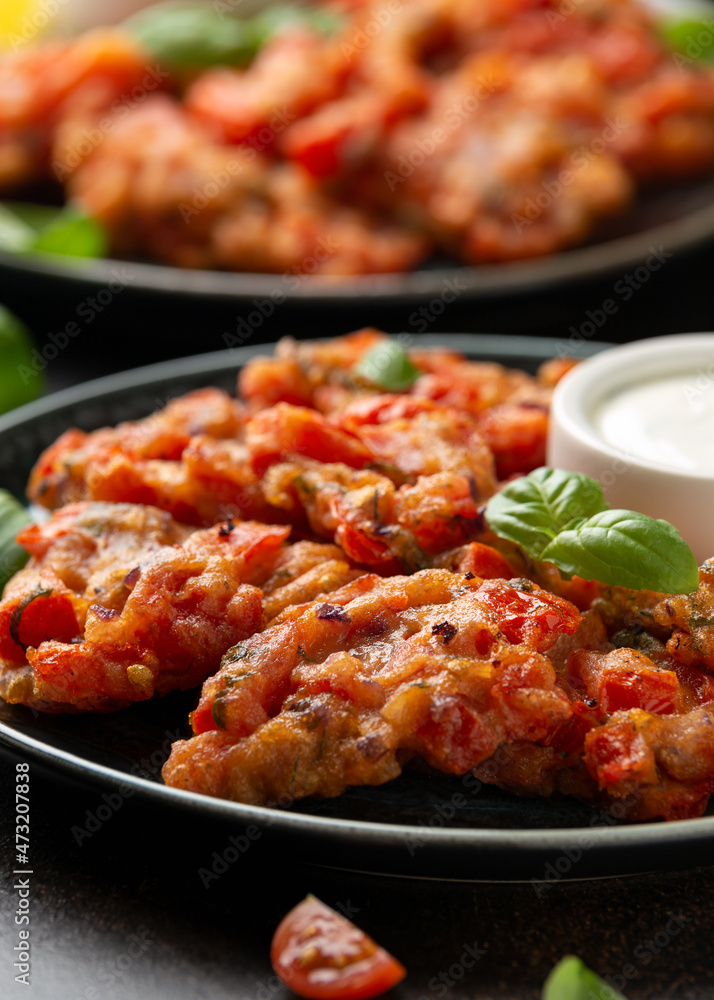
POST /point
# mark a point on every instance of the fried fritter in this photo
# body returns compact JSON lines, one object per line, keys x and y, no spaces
{"x":187,"y":458}
{"x":509,"y":408}
{"x":342,"y":692}
{"x":304,"y":572}
{"x":639,"y":742}
{"x":690,"y":618}
{"x":199,"y":459}
{"x":120,"y":602}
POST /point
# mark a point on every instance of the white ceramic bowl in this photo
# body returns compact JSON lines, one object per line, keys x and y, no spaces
{"x":594,"y":429}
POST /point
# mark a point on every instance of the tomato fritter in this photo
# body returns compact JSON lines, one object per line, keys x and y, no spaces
{"x":341,"y":692}
{"x":40,"y":86}
{"x":639,"y":740}
{"x":690,"y":618}
{"x":188,"y":458}
{"x":508,"y":409}
{"x":396,"y":626}
{"x":304,"y":572}
{"x":162,"y":183}
{"x":392,"y":484}
{"x":120,"y":602}
{"x":480,"y":130}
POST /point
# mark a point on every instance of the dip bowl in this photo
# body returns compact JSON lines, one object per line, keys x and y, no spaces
{"x":640,"y":420}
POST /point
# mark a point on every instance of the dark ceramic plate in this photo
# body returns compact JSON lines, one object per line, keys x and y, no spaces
{"x":424,"y":824}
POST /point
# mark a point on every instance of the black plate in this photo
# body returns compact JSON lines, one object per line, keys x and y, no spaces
{"x":423,"y":824}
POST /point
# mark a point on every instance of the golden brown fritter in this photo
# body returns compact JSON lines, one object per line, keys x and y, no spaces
{"x":339,"y":692}
{"x":119,"y":602}
{"x":187,"y":458}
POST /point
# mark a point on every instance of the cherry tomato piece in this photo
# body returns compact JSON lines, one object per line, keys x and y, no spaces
{"x":321,"y":955}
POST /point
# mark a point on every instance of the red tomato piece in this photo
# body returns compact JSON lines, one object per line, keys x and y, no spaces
{"x":617,"y":752}
{"x":321,"y":955}
{"x":276,"y":434}
{"x":652,"y":690}
{"x":486,"y":562}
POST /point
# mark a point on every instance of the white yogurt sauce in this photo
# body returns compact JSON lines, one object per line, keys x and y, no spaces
{"x":669,"y":421}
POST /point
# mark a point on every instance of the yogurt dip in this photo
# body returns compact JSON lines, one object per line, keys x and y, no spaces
{"x":668,"y":421}
{"x":639,"y":418}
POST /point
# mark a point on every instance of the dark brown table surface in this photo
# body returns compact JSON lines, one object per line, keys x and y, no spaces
{"x":125,"y":914}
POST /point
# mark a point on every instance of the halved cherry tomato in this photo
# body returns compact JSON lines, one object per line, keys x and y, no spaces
{"x":321,"y":955}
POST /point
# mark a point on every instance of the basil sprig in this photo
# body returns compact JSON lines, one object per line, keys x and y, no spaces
{"x":562,"y":518}
{"x":387,"y":366}
{"x":572,"y":980}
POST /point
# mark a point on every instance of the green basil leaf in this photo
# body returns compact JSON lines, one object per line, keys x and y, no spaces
{"x":41,"y":229}
{"x":387,"y":366}
{"x":532,"y":510}
{"x":572,"y":980}
{"x":16,"y":236}
{"x":20,"y":382}
{"x":626,"y":549}
{"x":13,"y":517}
{"x":74,"y":234}
{"x":275,"y":19}
{"x":190,"y":36}
{"x":193,"y":36}
{"x":694,"y":39}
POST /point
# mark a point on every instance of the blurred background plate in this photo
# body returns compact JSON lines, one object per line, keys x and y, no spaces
{"x":424,"y":823}
{"x":165,"y":311}
{"x":130,"y":313}
{"x":676,"y":217}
